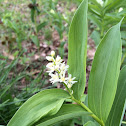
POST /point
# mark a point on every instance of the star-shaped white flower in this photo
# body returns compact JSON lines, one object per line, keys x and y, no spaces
{"x":54,"y":78}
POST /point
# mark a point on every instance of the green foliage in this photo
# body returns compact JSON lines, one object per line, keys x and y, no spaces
{"x":77,"y":47}
{"x":11,"y":95}
{"x":47,"y":102}
{"x":61,"y":49}
{"x":116,"y":115}
{"x":40,"y":26}
{"x":5,"y":70}
{"x":104,"y":73}
{"x":8,"y":105}
{"x":96,"y":37}
{"x":90,"y":123}
{"x":66,"y":112}
{"x":106,"y":14}
{"x":10,"y":24}
{"x":35,"y":40}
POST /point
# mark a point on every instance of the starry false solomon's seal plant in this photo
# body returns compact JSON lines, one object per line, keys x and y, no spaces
{"x":105,"y":103}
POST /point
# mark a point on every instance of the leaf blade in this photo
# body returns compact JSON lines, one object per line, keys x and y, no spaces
{"x":119,"y":104}
{"x":35,"y":40}
{"x":77,"y":46}
{"x":90,"y":123}
{"x":46,"y":102}
{"x":104,"y":73}
{"x":40,"y":26}
{"x":66,"y":112}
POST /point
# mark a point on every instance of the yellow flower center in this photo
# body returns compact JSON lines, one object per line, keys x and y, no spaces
{"x":63,"y":79}
{"x":55,"y":77}
{"x":70,"y":80}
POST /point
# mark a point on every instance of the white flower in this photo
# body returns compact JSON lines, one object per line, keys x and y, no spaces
{"x":62,"y":76}
{"x":58,"y":59}
{"x":57,"y":67}
{"x":70,"y":81}
{"x":51,"y":67}
{"x":120,"y":9}
{"x":52,"y":53}
{"x":49,"y":58}
{"x":64,"y":67}
{"x":54,"y":78}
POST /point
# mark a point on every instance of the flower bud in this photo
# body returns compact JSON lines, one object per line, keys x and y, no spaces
{"x":52,"y":53}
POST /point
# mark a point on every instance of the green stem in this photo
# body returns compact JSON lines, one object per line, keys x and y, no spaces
{"x":84,"y":106}
{"x":68,"y":89}
{"x":36,"y":23}
{"x":102,"y":25}
{"x":87,"y":109}
{"x":102,"y":29}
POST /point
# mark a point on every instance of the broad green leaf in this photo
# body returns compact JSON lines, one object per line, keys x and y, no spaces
{"x":66,"y":112}
{"x":95,"y":35}
{"x":117,"y":112}
{"x":77,"y":46}
{"x":35,"y":40}
{"x":90,"y":123}
{"x":104,"y":73}
{"x":40,"y":26}
{"x":46,"y":102}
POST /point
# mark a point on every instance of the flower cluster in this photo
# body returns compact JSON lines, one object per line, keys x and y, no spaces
{"x":58,"y":69}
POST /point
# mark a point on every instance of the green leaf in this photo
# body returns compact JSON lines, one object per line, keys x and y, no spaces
{"x":77,"y":47}
{"x":46,"y":102}
{"x":104,"y":73}
{"x":95,"y":2}
{"x":66,"y":112}
{"x":95,"y":9}
{"x":95,"y":20}
{"x":33,"y":15}
{"x":65,"y":123}
{"x":123,"y":37}
{"x":95,"y":35}
{"x":117,"y":112}
{"x":35,"y":40}
{"x":40,"y":26}
{"x":90,"y":123}
{"x":114,"y":4}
